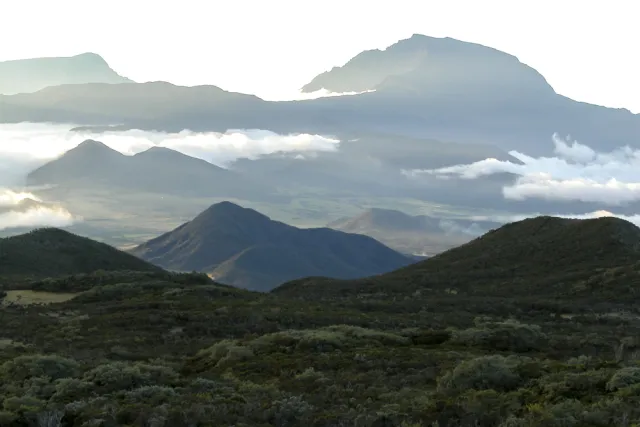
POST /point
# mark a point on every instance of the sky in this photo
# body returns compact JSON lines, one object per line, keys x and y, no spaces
{"x":585,"y":48}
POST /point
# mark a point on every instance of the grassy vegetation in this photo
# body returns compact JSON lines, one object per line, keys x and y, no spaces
{"x":161,"y":349}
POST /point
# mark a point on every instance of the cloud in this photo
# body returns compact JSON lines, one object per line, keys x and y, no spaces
{"x":26,"y":146}
{"x":9,"y":198}
{"x":301,"y":96}
{"x":36,"y":217}
{"x":21,"y":209}
{"x":576,"y":173}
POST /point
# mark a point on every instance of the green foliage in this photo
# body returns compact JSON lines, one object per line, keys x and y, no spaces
{"x":482,"y":373}
{"x":166,"y":349}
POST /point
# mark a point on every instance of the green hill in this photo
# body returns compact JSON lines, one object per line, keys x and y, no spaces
{"x":543,"y":256}
{"x":48,"y":252}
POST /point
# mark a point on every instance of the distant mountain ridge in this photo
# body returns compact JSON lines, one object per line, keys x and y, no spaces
{"x":419,"y":234}
{"x":425,"y":87}
{"x":32,"y":75}
{"x":242,"y":247}
{"x":433,"y":65}
{"x":157,"y":169}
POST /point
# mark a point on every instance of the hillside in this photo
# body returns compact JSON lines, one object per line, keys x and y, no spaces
{"x":48,"y":252}
{"x":541,"y":257}
{"x":245,"y":248}
{"x":147,"y":348}
{"x":424,"y":88}
{"x":159,"y":170}
{"x":32,"y":75}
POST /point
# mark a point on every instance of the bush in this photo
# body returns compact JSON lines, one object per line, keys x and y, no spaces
{"x":24,"y":367}
{"x":482,"y":373}
{"x":502,"y":336}
{"x":118,"y":376}
{"x":625,"y":377}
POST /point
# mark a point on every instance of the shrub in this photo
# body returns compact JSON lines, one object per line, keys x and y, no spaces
{"x":24,"y":367}
{"x":118,"y":376}
{"x":503,"y":336}
{"x":625,"y":377}
{"x":482,"y":373}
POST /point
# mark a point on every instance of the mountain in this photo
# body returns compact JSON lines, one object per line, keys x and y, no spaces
{"x":242,"y":247}
{"x":543,"y":257}
{"x":423,"y":87}
{"x":159,"y":170}
{"x":435,"y":67}
{"x":48,"y":252}
{"x":421,"y":234}
{"x":32,"y":75}
{"x":374,"y":219}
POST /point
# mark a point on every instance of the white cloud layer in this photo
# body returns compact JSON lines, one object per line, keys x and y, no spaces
{"x":25,"y":146}
{"x":300,"y":96}
{"x":576,"y":173}
{"x":13,"y":213}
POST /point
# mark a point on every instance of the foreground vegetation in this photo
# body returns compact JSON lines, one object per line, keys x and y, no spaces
{"x":498,"y":332}
{"x":160,"y":349}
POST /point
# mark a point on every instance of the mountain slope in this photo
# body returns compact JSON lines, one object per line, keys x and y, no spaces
{"x":31,"y":75}
{"x":49,"y":252}
{"x":160,"y":170}
{"x":543,"y":256}
{"x":242,"y":247}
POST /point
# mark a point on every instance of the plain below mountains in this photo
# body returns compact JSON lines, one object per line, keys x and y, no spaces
{"x":32,"y":75}
{"x":543,"y":257}
{"x":93,"y":164}
{"x":244,"y":248}
{"x":421,"y":87}
{"x":419,"y":234}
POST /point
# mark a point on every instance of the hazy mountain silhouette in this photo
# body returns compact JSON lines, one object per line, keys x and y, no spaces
{"x":242,"y":247}
{"x":542,"y":257}
{"x":31,"y":75}
{"x":425,"y":87}
{"x":421,"y":234}
{"x":93,"y":164}
{"x":48,"y":252}
{"x":376,"y":219}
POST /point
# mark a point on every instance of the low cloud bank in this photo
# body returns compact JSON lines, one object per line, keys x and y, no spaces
{"x":25,"y":146}
{"x":22,"y":209}
{"x":576,"y":173}
{"x":301,"y":96}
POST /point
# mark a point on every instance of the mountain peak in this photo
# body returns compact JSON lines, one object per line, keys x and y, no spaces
{"x":91,"y":147}
{"x":229,"y":210}
{"x":433,"y":66}
{"x":34,"y":74}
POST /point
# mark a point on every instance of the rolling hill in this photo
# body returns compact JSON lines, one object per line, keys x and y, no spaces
{"x":544,"y":257}
{"x":92,"y":164}
{"x":50,"y":252}
{"x":245,"y":248}
{"x":32,"y":75}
